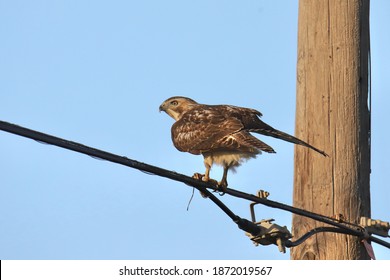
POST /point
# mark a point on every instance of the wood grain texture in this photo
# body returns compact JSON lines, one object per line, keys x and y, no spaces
{"x":332,"y":113}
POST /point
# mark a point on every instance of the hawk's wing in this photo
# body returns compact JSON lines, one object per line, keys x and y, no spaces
{"x":216,"y":128}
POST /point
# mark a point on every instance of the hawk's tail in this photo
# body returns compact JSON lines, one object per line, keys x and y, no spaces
{"x":270,"y":131}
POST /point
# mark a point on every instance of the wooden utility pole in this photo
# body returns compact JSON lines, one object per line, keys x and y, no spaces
{"x":332,"y":113}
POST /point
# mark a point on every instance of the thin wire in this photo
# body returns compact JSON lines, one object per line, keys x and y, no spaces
{"x":192,"y":196}
{"x":200,"y":185}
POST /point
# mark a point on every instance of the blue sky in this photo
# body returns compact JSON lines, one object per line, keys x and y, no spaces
{"x":95,"y":72}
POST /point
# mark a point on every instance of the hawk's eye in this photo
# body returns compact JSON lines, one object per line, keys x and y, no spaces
{"x":174,"y":103}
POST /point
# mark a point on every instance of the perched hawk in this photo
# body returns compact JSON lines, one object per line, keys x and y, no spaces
{"x":221,"y":133}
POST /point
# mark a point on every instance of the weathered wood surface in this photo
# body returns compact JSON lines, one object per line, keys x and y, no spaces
{"x":332,"y":113}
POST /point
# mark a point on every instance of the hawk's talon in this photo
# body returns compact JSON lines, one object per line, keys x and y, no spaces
{"x":221,"y":188}
{"x":198,"y":176}
{"x":221,"y":193}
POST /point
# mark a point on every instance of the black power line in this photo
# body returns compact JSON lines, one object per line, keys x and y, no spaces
{"x":342,"y":227}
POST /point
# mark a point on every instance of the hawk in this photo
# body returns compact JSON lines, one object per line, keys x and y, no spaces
{"x":221,"y":133}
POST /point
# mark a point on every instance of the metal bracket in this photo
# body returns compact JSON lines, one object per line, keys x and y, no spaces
{"x":260,"y":194}
{"x":269,"y":233}
{"x":377,"y":227}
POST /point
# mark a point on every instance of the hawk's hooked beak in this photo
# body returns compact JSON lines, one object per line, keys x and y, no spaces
{"x":161,"y":108}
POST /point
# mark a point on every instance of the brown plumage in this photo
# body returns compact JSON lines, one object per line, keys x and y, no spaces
{"x":221,"y":133}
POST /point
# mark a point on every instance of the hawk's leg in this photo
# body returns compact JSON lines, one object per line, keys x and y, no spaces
{"x":222,"y":185}
{"x":207,"y":173}
{"x":207,"y":178}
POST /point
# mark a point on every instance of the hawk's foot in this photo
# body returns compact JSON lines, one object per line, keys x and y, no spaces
{"x":205,"y":178}
{"x":198,"y":176}
{"x":222,"y":187}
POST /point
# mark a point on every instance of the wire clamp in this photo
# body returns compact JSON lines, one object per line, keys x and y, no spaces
{"x":271,"y":234}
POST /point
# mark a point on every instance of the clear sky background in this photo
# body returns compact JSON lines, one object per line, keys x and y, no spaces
{"x":96,"y":72}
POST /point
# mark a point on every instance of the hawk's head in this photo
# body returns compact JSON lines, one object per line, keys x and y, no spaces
{"x":176,"y":106}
